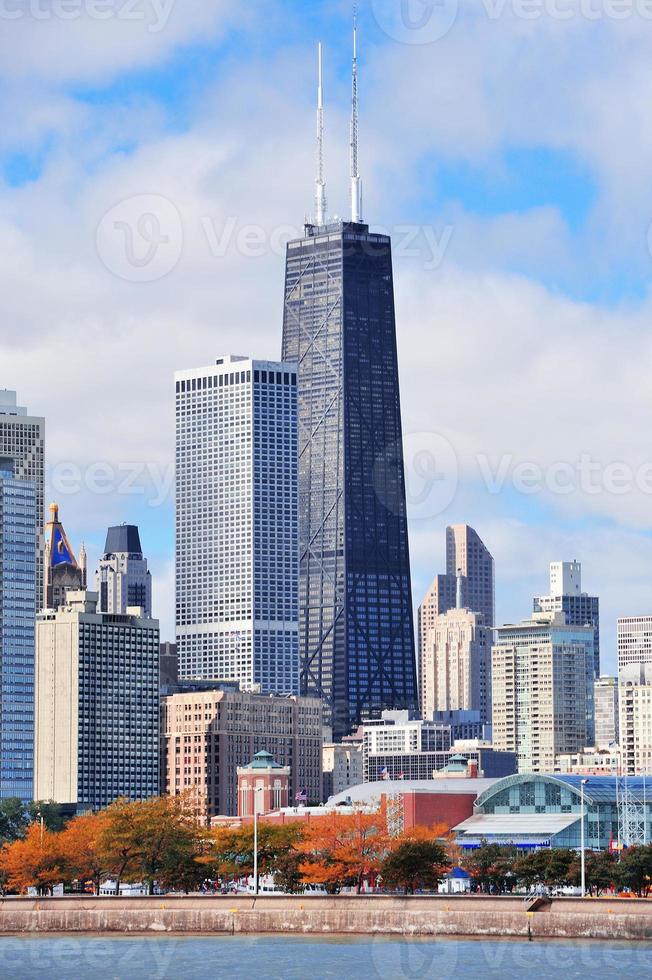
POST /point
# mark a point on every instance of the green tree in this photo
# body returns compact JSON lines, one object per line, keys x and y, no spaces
{"x":413,"y":864}
{"x":13,"y":819}
{"x":49,"y":811}
{"x":287,"y":876}
{"x":602,"y":870}
{"x":233,"y":854}
{"x":636,"y":869}
{"x":490,"y":866}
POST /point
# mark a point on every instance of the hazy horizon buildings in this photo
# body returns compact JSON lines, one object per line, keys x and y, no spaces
{"x":356,"y":625}
{"x":580,"y":608}
{"x":18,"y":601}
{"x":236,"y":523}
{"x":122,"y":578}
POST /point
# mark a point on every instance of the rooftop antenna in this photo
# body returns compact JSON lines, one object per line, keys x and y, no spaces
{"x":320,"y":190}
{"x":356,"y":181}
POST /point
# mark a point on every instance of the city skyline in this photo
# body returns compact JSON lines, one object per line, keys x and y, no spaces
{"x":497,"y":299}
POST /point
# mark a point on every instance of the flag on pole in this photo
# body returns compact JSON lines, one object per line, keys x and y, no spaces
{"x":301,"y":796}
{"x":384,"y":773}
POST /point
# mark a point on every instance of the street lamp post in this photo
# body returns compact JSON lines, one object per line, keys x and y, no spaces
{"x":257,"y":789}
{"x":583,"y":783}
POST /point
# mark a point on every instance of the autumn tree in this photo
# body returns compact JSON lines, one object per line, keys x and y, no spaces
{"x":161,"y":840}
{"x":417,"y":859}
{"x":344,"y":848}
{"x":84,"y":857}
{"x":35,"y":861}
{"x":117,"y":846}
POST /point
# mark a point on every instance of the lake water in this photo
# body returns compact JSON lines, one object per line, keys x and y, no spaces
{"x":309,"y":958}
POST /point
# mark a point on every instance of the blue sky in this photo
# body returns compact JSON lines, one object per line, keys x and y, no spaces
{"x":510,"y":159}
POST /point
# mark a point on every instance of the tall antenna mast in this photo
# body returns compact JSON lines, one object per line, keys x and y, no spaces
{"x":356,"y":181}
{"x":320,"y":189}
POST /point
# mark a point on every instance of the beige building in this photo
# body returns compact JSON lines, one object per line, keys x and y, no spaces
{"x":456,"y":665}
{"x":590,"y":762}
{"x":96,"y":701}
{"x":636,"y":718}
{"x":468,"y":583}
{"x":606,"y":711}
{"x":343,"y":767}
{"x":542,"y":690}
{"x":208,"y":734}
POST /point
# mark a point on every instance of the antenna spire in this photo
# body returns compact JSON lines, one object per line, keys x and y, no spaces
{"x":356,"y":180}
{"x":320,"y":184}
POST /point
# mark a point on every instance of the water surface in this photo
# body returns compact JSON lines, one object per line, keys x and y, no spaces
{"x":310,"y":958}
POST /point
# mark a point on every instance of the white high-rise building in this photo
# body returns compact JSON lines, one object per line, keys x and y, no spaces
{"x":237,"y":523}
{"x":634,"y":640}
{"x":579,"y":608}
{"x":122,"y":579}
{"x":636,"y":718}
{"x":22,"y":442}
{"x":542,"y":690}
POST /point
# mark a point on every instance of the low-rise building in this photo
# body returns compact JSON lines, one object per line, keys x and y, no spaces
{"x":591,"y":762}
{"x":211,"y":729}
{"x":532,"y":811}
{"x":342,"y":766}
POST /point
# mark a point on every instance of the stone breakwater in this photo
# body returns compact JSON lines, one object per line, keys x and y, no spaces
{"x":420,"y":915}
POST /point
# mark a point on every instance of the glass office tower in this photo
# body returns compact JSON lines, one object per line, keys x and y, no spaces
{"x":19,"y":529}
{"x":355,"y":621}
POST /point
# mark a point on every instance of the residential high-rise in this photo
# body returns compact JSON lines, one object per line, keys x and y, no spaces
{"x":18,"y":598}
{"x":122,"y":578}
{"x":97,"y":705}
{"x":580,"y":608}
{"x":236,"y":523}
{"x":456,"y":665}
{"x":634,"y":640}
{"x":209,"y":730}
{"x":440,"y":597}
{"x":469,"y":572}
{"x":22,"y":440}
{"x":636,"y":718}
{"x":606,"y":711}
{"x":467,"y":555}
{"x":542,"y":690}
{"x":63,"y":573}
{"x":356,"y":628}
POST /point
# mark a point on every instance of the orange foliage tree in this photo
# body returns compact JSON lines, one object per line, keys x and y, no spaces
{"x":343,"y":848}
{"x":36,"y":861}
{"x":80,"y":846}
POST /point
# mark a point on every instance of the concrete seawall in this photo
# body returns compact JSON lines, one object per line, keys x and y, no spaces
{"x":383,"y":914}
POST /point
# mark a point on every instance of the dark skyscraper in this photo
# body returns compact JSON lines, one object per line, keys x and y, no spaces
{"x":355,"y":628}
